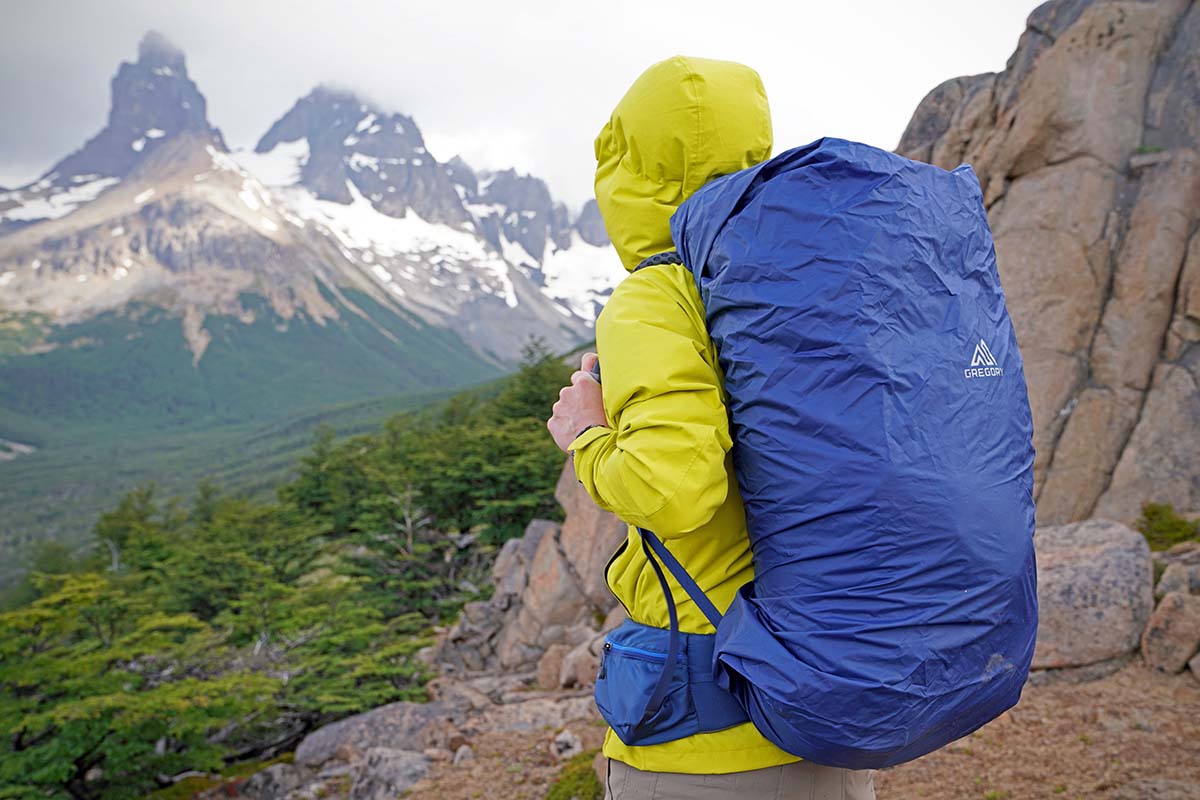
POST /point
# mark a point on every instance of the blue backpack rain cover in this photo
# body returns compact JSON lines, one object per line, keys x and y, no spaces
{"x":883,"y":447}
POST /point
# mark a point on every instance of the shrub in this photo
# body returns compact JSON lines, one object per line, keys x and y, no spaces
{"x":1164,"y":528}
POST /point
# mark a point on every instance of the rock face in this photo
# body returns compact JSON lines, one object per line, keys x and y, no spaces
{"x":550,"y":596}
{"x":1086,"y":149}
{"x":1094,"y":591}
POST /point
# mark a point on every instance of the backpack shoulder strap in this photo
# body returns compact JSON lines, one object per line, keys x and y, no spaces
{"x":669,"y":257}
{"x":681,"y":575}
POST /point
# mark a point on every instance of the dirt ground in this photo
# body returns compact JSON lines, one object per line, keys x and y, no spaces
{"x":1066,"y":741}
{"x":505,"y":766}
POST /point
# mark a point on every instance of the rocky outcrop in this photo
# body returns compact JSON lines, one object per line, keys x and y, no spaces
{"x":1094,"y":594}
{"x":1086,"y":149}
{"x":549,"y":599}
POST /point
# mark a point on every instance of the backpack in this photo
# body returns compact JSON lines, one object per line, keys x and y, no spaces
{"x":883,"y":449}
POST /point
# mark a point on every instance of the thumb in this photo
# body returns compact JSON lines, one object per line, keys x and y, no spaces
{"x":589,"y":361}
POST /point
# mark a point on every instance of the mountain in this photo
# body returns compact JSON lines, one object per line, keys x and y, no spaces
{"x":153,"y":101}
{"x":338,"y":195}
{"x":1086,"y":149}
{"x":154,"y":282}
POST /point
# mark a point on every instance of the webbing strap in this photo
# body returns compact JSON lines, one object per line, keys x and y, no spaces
{"x":681,"y":575}
{"x":659,"y":693}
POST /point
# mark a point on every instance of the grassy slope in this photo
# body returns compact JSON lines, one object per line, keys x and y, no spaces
{"x":118,"y":402}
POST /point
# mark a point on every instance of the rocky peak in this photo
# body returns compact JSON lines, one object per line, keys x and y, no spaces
{"x":153,"y":102}
{"x":355,"y":148}
{"x":590,"y":225}
{"x":153,"y":99}
{"x":462,"y":176}
{"x":513,"y":209}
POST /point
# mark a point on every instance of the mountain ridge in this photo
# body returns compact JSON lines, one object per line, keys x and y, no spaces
{"x":337,"y":192}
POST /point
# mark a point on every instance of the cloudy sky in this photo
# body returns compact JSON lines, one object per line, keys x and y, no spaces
{"x":524,"y":83}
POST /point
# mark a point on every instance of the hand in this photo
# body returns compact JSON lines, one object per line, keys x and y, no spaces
{"x":579,"y":405}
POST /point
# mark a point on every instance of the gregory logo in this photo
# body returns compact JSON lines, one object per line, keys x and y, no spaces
{"x":983,"y":363}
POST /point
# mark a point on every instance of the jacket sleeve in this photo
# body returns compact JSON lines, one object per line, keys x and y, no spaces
{"x":662,"y":464}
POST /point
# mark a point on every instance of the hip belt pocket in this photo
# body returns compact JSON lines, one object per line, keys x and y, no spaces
{"x":646,"y":698}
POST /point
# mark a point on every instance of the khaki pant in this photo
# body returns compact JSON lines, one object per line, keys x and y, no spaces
{"x":802,"y":780}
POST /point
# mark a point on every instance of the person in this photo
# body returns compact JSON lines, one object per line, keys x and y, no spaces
{"x":651,"y":443}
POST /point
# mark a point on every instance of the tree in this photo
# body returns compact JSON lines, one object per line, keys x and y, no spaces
{"x":532,"y":391}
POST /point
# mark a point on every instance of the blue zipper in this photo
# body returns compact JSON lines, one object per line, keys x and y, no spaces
{"x":637,"y":652}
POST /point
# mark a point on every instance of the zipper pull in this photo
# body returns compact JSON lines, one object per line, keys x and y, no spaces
{"x":604,"y":657}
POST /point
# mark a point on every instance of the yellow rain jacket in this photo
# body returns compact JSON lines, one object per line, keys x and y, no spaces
{"x":665,"y":464}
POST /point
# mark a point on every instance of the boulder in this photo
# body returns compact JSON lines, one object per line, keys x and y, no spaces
{"x":1179,"y":577}
{"x":580,"y":665}
{"x":1095,"y":593}
{"x":549,"y":591}
{"x":1194,"y":666}
{"x":1182,"y":553}
{"x":478,"y":641}
{"x":565,"y":745}
{"x":1172,"y":636}
{"x":272,"y":783}
{"x":384,"y":773}
{"x":403,"y":726}
{"x":515,"y":649}
{"x":550,"y":665}
{"x":510,"y":570}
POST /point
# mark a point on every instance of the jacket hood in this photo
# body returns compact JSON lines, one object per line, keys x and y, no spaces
{"x":683,"y":122}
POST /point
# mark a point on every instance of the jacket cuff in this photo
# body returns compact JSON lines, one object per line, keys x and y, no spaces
{"x":589,"y":435}
{"x":580,"y":457}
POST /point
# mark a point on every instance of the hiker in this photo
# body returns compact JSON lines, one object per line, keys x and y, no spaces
{"x":652,"y":443}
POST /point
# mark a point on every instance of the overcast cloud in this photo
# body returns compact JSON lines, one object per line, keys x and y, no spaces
{"x":525,"y":84}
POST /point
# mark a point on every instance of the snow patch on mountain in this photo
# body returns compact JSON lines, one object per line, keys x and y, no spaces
{"x":581,"y":276}
{"x":53,"y":203}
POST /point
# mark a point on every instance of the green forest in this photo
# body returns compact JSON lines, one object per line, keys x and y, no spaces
{"x":202,"y":632}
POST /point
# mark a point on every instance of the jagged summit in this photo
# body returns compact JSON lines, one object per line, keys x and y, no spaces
{"x":590,"y":225}
{"x":153,"y":101}
{"x":350,"y":147}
